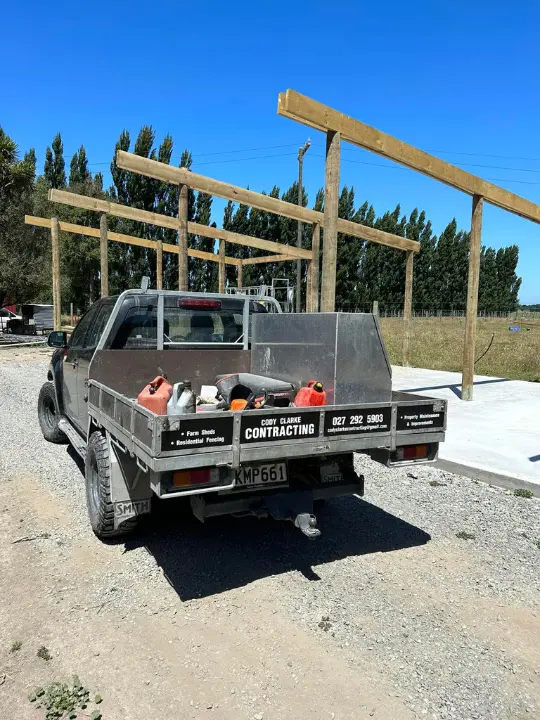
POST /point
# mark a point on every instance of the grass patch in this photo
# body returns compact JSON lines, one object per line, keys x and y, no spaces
{"x":15,"y":646}
{"x":44,"y":653}
{"x":437,"y":343}
{"x":66,"y":702}
{"x":520,"y":492}
{"x":464,"y":535}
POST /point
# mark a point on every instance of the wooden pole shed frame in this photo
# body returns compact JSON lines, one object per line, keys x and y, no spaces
{"x":339,"y":126}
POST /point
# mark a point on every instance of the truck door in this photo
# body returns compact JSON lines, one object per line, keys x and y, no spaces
{"x":70,"y":367}
{"x":86,"y":353}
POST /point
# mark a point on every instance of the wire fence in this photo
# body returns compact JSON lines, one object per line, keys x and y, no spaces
{"x":396,"y":311}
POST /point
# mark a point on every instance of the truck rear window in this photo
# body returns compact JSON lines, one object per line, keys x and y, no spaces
{"x":203,"y":325}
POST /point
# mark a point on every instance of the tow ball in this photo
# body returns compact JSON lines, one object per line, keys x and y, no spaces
{"x":307,"y":524}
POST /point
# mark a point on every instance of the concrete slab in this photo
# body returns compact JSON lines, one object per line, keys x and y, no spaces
{"x":496,"y":436}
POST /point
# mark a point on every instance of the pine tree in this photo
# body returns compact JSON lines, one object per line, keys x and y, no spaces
{"x":55,"y":166}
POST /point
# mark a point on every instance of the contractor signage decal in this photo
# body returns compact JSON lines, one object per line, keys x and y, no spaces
{"x":199,"y":432}
{"x":420,"y":417}
{"x":342,"y":423}
{"x":278,"y":428}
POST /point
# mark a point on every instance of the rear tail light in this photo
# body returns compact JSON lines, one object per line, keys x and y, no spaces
{"x":412,"y":452}
{"x":199,"y":476}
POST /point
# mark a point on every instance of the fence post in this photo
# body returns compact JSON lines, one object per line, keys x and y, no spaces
{"x":221,"y":273}
{"x":183,"y":239}
{"x":55,"y":254}
{"x":467,"y":379}
{"x":104,"y":255}
{"x":331,"y":199}
{"x":375,"y":309}
{"x":407,"y":307}
{"x":159,"y":265}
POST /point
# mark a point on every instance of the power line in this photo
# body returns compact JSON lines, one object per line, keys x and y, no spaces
{"x":350,"y":160}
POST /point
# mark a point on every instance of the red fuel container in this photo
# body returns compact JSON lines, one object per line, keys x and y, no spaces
{"x":156,"y":395}
{"x":312,"y":395}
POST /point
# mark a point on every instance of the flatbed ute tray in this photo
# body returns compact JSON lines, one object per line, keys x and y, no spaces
{"x":235,"y":438}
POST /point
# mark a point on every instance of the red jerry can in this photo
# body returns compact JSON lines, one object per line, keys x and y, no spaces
{"x":156,"y":395}
{"x":311,"y":395}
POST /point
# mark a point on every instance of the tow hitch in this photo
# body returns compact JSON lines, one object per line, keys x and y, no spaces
{"x":307,"y":524}
{"x":296,"y":507}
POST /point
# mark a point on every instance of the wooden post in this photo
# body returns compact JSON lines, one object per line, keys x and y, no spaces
{"x":315,"y":249}
{"x":407,"y":307}
{"x":221,"y":272}
{"x":159,"y":265}
{"x":331,"y":197}
{"x":375,"y":309}
{"x":104,"y":255}
{"x":183,"y":239}
{"x":472,"y":299}
{"x":240,"y":268}
{"x":309,"y":280}
{"x":55,"y":253}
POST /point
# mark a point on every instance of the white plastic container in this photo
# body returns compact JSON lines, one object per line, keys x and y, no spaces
{"x":183,"y":400}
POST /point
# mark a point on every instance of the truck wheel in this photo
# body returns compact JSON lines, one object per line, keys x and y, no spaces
{"x":48,"y":415}
{"x":97,"y":470}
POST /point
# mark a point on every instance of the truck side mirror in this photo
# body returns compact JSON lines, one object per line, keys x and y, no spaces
{"x":57,"y":339}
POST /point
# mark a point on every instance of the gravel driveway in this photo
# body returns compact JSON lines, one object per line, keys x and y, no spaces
{"x":420,"y":600}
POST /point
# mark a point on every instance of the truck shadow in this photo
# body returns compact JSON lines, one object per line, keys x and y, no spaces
{"x":225,"y":553}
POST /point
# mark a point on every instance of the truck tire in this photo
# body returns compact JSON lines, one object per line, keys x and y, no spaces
{"x":48,"y":415}
{"x":97,"y":471}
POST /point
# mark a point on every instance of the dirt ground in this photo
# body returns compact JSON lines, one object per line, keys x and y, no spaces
{"x":237,"y":657}
{"x":224,"y":621}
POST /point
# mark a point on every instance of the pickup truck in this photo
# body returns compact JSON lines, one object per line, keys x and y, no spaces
{"x":275,"y":461}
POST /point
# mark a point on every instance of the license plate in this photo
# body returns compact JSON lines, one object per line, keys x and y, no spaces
{"x":256,"y":476}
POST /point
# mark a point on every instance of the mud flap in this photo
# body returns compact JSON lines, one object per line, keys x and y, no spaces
{"x":130,"y":486}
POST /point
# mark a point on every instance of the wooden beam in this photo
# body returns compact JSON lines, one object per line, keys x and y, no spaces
{"x":266,"y":259}
{"x":240,"y":280}
{"x":104,"y":255}
{"x":331,"y":199}
{"x":55,"y":257}
{"x":125,"y":239}
{"x":321,"y":117}
{"x":315,"y":249}
{"x":221,"y":269}
{"x":159,"y":265}
{"x":407,"y":307}
{"x":183,"y":238}
{"x":117,"y":210}
{"x":467,"y":379}
{"x":248,"y":241}
{"x":167,"y":173}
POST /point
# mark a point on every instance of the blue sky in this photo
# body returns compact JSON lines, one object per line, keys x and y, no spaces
{"x":458,"y":79}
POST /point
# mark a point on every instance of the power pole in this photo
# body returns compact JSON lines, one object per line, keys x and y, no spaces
{"x":301,"y":152}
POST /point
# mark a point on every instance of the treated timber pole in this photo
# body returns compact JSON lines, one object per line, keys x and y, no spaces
{"x":301,"y":152}
{"x":159,"y":265}
{"x":472,"y":299}
{"x":183,"y":239}
{"x":55,"y":253}
{"x":407,"y":307}
{"x":309,"y":280}
{"x":221,"y":273}
{"x":331,"y":197}
{"x":315,"y":249}
{"x":104,"y":255}
{"x":240,"y":267}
